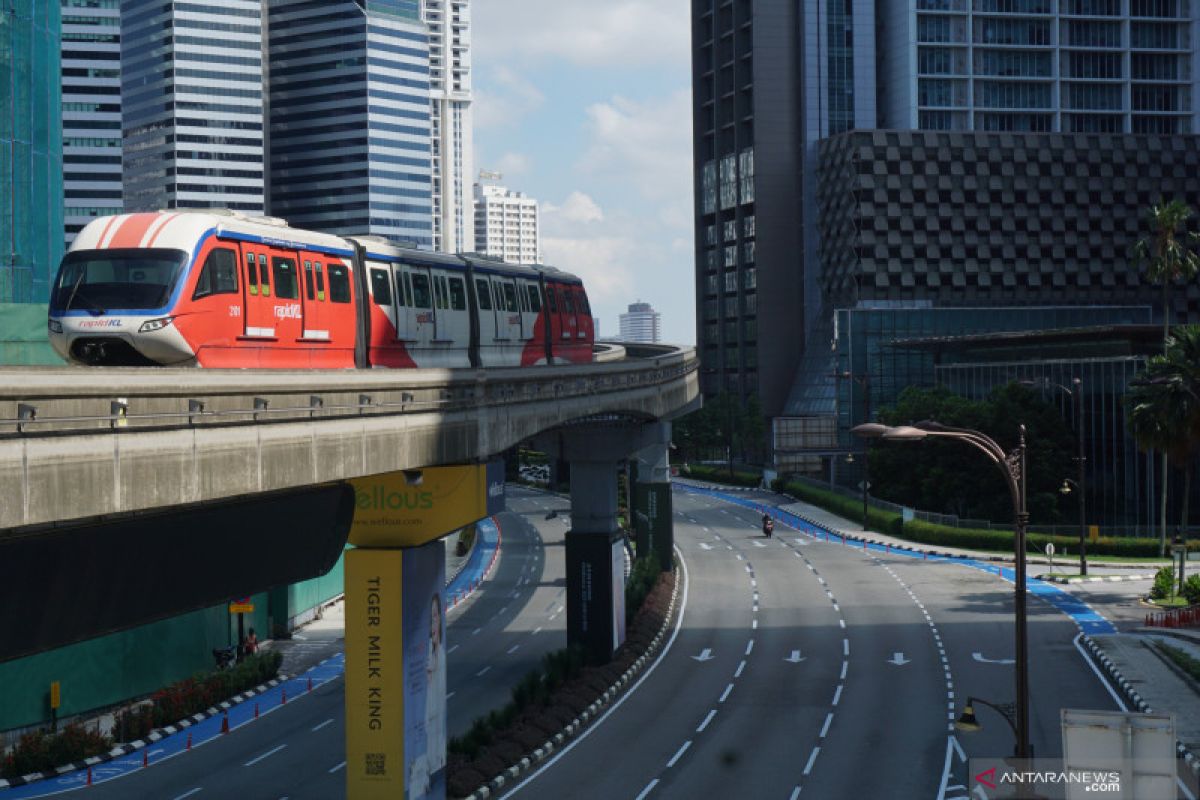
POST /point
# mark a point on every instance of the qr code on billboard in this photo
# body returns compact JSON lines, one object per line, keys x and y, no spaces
{"x":376,"y":763}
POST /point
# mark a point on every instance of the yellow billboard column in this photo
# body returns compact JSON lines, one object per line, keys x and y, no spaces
{"x":374,"y":674}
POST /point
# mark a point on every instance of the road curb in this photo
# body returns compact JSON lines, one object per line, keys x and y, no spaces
{"x":154,"y":736}
{"x":1102,"y":661}
{"x":559,"y":740}
{"x":1144,"y":576}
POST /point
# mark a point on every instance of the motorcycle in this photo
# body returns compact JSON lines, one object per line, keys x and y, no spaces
{"x":768,"y":527}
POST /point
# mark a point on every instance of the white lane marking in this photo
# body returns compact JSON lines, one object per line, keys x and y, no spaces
{"x":649,"y":671}
{"x":845,"y":647}
{"x":452,"y":649}
{"x":741,"y":666}
{"x":739,"y":556}
{"x":679,"y":753}
{"x":845,"y":666}
{"x":754,"y":625}
{"x":254,"y":761}
{"x":808,"y":767}
{"x":825,"y":727}
{"x":837,"y":695}
{"x":646,"y":791}
{"x":753,"y":583}
{"x":322,"y":725}
{"x":189,"y":793}
{"x":536,"y":631}
{"x":724,"y":694}
{"x":512,"y":649}
{"x":483,"y":671}
{"x":795,"y":793}
{"x":476,"y":631}
{"x":749,"y":646}
{"x":449,"y":695}
{"x":842,"y":622}
{"x":335,"y":769}
{"x":707,"y":720}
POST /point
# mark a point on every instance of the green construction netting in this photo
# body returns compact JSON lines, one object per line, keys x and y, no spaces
{"x":23,"y":339}
{"x":31,"y":175}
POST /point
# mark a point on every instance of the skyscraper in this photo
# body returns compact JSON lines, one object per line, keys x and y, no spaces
{"x":91,"y":110}
{"x":449,"y":24}
{"x":773,"y":79}
{"x":192,"y":105}
{"x":506,"y":225}
{"x":350,"y":117}
{"x":641,"y":323}
{"x":31,"y":234}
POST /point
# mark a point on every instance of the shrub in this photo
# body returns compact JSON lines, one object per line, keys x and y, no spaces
{"x":1191,"y":589}
{"x":42,"y":750}
{"x":641,"y":580}
{"x":1164,"y":584}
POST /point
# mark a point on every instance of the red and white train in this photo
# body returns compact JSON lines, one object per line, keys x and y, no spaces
{"x":219,"y":289}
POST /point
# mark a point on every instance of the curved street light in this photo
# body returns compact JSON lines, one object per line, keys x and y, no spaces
{"x":1012,"y":467}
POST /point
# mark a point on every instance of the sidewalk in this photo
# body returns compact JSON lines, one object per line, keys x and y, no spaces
{"x":1133,"y":666}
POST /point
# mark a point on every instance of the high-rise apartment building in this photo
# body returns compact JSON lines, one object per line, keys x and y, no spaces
{"x":31,"y":231}
{"x":506,"y":225}
{"x":91,"y":112}
{"x":772,"y":80}
{"x":449,"y":23}
{"x":641,"y":323}
{"x":350,"y":117}
{"x":192,"y":104}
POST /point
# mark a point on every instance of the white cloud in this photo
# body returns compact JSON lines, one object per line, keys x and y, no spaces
{"x":510,"y":164}
{"x":586,"y":32}
{"x":604,"y":262}
{"x":506,"y":100}
{"x":577,"y":208}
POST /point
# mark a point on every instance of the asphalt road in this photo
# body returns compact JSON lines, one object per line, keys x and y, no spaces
{"x":298,"y":750}
{"x":785,"y":702}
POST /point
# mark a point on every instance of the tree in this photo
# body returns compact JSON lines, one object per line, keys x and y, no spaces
{"x":1167,"y":256}
{"x":1164,"y":410}
{"x":945,"y":476}
{"x":724,"y":427}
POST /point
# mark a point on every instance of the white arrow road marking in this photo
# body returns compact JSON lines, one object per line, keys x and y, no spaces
{"x":794,"y":658}
{"x":704,"y":546}
{"x":705,"y":655}
{"x":899,"y":660}
{"x":979,"y":657}
{"x":757,"y":543}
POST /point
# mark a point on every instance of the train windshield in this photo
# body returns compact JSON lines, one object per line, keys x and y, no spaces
{"x":101,"y":280}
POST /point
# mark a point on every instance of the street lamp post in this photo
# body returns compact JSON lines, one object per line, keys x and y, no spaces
{"x":864,"y":380}
{"x":1012,"y":467}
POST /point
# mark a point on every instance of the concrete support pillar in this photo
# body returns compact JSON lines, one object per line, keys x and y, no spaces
{"x":595,"y":562}
{"x":654,"y":518}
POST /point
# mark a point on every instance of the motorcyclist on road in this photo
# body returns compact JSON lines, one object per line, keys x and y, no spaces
{"x":768,"y":525}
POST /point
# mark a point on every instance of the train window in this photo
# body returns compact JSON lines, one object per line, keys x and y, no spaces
{"x":339,"y":283}
{"x":458,"y":294}
{"x":408,"y":295}
{"x":440,"y":294}
{"x":567,"y":304}
{"x":551,"y":299}
{"x":381,"y":287}
{"x":510,"y":295}
{"x":583,"y":303}
{"x":522,"y":299}
{"x":535,"y":298}
{"x":309,"y":281}
{"x":251,"y":274}
{"x":320,"y":280}
{"x":219,"y":274}
{"x":264,"y":275}
{"x":485,"y":294}
{"x":400,"y":299}
{"x":287,"y":283}
{"x":420,"y":285}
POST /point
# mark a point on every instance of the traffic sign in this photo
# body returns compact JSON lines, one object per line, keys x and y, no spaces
{"x":1050,"y":549}
{"x":55,"y":695}
{"x":241,"y":608}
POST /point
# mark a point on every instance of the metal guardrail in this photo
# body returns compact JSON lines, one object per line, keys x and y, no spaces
{"x":60,"y":401}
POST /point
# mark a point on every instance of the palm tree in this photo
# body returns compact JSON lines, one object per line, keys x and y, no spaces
{"x":1167,"y":257}
{"x":1164,"y":408}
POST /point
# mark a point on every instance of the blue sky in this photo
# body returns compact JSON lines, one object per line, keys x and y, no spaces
{"x":586,"y":106}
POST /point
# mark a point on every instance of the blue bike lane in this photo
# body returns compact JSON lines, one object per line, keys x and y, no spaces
{"x":201,"y":729}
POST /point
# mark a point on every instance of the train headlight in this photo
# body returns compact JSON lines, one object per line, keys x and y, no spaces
{"x":54,"y":326}
{"x":155,"y":325}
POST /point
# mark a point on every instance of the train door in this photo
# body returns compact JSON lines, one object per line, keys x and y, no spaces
{"x":422,"y":326}
{"x":487,"y":321}
{"x":508,"y":317}
{"x":583,"y":314}
{"x":316,"y":327}
{"x":454,"y":322}
{"x":256,"y":297}
{"x":556,"y":326}
{"x":287,"y":310}
{"x":405,"y":324}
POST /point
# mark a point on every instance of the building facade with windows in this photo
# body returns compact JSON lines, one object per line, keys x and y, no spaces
{"x":350,"y":114}
{"x":449,"y":23}
{"x":506,"y":225}
{"x":641,"y":323}
{"x":31,"y":235}
{"x":91,"y":112}
{"x":192,"y":105}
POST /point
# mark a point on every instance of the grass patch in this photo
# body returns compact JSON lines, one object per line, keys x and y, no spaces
{"x":1171,"y":602}
{"x":1184,"y":661}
